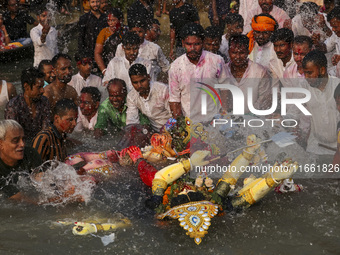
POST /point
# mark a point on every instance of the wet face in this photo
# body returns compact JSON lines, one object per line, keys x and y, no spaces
{"x":104,"y":5}
{"x":113,"y":22}
{"x":117,"y":95}
{"x":13,"y":6}
{"x":266,"y":5}
{"x":283,"y":49}
{"x":141,"y":84}
{"x":63,"y":70}
{"x":212,"y":44}
{"x":140,"y":32}
{"x":299,"y":52}
{"x":335,"y":24}
{"x":155,"y":32}
{"x":66,"y":123}
{"x":44,"y":18}
{"x":337,"y":101}
{"x":131,"y":52}
{"x":94,"y":5}
{"x":235,"y":29}
{"x":85,"y":66}
{"x":193,"y":46}
{"x":87,"y":106}
{"x":12,"y":147}
{"x":35,"y":93}
{"x":238,"y":54}
{"x":314,"y":74}
{"x":262,"y":37}
{"x":48,"y":71}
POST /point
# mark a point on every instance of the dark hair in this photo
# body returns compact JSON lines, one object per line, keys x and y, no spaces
{"x":317,"y":57}
{"x":155,"y":21}
{"x":94,"y":92}
{"x":233,"y":18}
{"x":59,"y":55}
{"x":117,"y":82}
{"x":131,"y":38}
{"x":268,"y":16}
{"x":309,"y":8}
{"x":239,"y":40}
{"x":137,"y":69}
{"x":138,"y":23}
{"x":29,"y":76}
{"x":300,"y":39}
{"x":337,"y":91}
{"x":213,"y":32}
{"x":40,"y":11}
{"x":81,"y":55}
{"x":63,"y":106}
{"x":283,"y":34}
{"x":334,"y":13}
{"x":192,"y":29}
{"x":115,"y":12}
{"x":44,"y":62}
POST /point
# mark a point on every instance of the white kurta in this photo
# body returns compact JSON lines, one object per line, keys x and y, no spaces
{"x":277,"y":69}
{"x":78,"y":82}
{"x":83,"y":124}
{"x":224,"y":47}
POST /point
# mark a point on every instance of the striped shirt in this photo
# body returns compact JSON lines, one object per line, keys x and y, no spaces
{"x":50,"y":144}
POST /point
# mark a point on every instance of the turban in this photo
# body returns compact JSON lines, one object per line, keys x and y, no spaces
{"x":260,"y":23}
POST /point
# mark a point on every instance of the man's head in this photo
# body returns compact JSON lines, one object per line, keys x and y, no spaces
{"x":130,"y":44}
{"x":333,"y":17}
{"x":139,"y":27}
{"x":302,"y":45}
{"x":263,"y":26}
{"x":283,"y":42}
{"x":45,"y":66}
{"x":329,"y":5}
{"x":43,"y":16}
{"x":114,"y":18}
{"x":212,"y":39}
{"x":192,"y":35}
{"x":62,"y":67}
{"x":84,"y":64}
{"x":315,"y":68}
{"x":239,"y":50}
{"x":94,"y":5}
{"x":337,"y":97}
{"x":12,"y":142}
{"x":32,"y":82}
{"x":13,"y":6}
{"x":65,"y":114}
{"x":154,"y":31}
{"x":308,"y":12}
{"x":140,"y":79}
{"x":117,"y":93}
{"x":104,"y":5}
{"x":234,"y":24}
{"x":89,"y":101}
{"x":266,"y":5}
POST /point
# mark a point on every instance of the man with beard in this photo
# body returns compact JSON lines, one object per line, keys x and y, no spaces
{"x":59,"y":88}
{"x":90,"y":24}
{"x":30,"y":109}
{"x":187,"y":70}
{"x":150,"y":98}
{"x":267,"y":7}
{"x":322,"y":105}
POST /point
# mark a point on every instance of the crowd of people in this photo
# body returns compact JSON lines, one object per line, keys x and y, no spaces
{"x":250,"y":44}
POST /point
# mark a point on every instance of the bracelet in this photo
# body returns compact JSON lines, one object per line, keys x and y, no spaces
{"x":104,"y":71}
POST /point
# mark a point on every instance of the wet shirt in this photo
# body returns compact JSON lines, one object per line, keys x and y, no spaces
{"x":78,"y":82}
{"x":89,"y":27}
{"x":17,"y":27}
{"x":30,"y":161}
{"x":17,"y":109}
{"x":50,"y":144}
{"x":83,"y":123}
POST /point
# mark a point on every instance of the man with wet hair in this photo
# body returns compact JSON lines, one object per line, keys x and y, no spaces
{"x":59,"y":88}
{"x":50,"y":142}
{"x":153,"y":31}
{"x":197,"y":65}
{"x":150,"y":98}
{"x":322,"y":87}
{"x":118,"y":67}
{"x":212,"y":41}
{"x":140,"y":10}
{"x":30,"y":109}
{"x":45,"y":66}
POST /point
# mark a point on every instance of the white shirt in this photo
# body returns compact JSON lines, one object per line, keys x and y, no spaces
{"x":264,"y":55}
{"x":325,"y":118}
{"x":118,"y":67}
{"x":183,"y":84}
{"x":333,"y":43}
{"x":245,"y":7}
{"x":83,"y":123}
{"x":78,"y":82}
{"x":299,"y":29}
{"x":279,"y":15}
{"x":224,"y":47}
{"x":155,"y":106}
{"x":257,"y":77}
{"x":292,"y":72}
{"x":276,"y":66}
{"x":46,"y":50}
{"x":151,"y":51}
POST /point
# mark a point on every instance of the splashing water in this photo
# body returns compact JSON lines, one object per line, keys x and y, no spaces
{"x":51,"y":7}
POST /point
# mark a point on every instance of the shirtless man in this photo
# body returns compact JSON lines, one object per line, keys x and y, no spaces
{"x":59,"y":88}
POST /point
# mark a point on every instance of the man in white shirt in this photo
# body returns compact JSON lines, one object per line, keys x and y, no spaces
{"x":151,"y":98}
{"x":188,"y":70}
{"x":84,"y":78}
{"x":268,"y":7}
{"x":322,"y":105}
{"x":119,"y":66}
{"x":44,"y":38}
{"x":148,"y":50}
{"x":88,"y":109}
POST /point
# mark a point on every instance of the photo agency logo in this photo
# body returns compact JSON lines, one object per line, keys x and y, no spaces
{"x":239,"y":104}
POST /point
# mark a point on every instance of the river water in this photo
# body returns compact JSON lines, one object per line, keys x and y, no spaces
{"x":298,"y":223}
